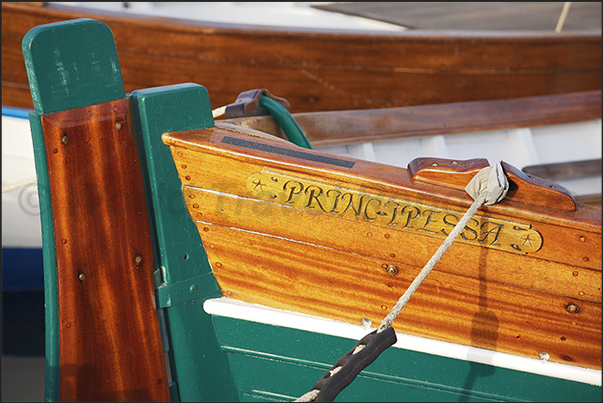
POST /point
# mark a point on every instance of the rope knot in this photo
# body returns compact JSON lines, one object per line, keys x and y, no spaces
{"x":490,"y":183}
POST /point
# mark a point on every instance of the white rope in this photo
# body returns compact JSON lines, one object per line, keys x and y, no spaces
{"x":563,"y":16}
{"x":487,"y":187}
{"x":18,"y":185}
{"x":308,"y":397}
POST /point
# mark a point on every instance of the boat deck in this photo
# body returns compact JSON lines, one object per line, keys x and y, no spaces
{"x":476,"y":15}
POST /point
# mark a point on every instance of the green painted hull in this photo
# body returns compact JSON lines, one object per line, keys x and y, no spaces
{"x":274,"y":363}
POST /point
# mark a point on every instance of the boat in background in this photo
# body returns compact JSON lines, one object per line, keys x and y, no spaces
{"x":555,"y":137}
{"x":302,"y":251}
{"x":356,"y":65}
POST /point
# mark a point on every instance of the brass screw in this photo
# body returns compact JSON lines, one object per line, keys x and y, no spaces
{"x":81,"y":276}
{"x":64,"y":139}
{"x":572,"y":308}
{"x":138,"y":260}
{"x":391,"y":269}
{"x":117,"y":125}
{"x":434,"y":164}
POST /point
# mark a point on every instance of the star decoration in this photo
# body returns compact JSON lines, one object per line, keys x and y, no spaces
{"x":259,"y":184}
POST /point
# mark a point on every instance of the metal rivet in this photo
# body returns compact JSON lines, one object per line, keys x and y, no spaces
{"x":274,"y":179}
{"x":387,"y":236}
{"x":193,"y":289}
{"x":117,"y":125}
{"x":575,"y":274}
{"x":391,"y":269}
{"x":392,"y":254}
{"x":585,"y":259}
{"x":515,"y":246}
{"x":81,"y":276}
{"x":582,"y":239}
{"x":434,"y":164}
{"x":454,"y":163}
{"x":188,"y":178}
{"x":183,"y":166}
{"x":195,"y":205}
{"x":138,"y":260}
{"x":544,"y":356}
{"x":553,"y":187}
{"x":581,"y":293}
{"x":64,"y":139}
{"x":562,"y":338}
{"x":572,"y":308}
{"x":218,"y":264}
{"x":366,"y":322}
{"x":273,"y":196}
{"x":384,"y":307}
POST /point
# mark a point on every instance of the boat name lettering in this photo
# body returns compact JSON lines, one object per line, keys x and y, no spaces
{"x":398,"y":214}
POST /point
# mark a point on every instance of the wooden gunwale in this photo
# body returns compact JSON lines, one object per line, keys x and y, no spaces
{"x":345,"y":127}
{"x":384,"y":179}
{"x":155,"y":51}
{"x":485,"y":298}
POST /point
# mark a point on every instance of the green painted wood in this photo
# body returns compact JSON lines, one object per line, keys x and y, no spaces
{"x":51,"y":298}
{"x":71,"y":64}
{"x":54,"y":87}
{"x":277,"y":363}
{"x":199,"y":367}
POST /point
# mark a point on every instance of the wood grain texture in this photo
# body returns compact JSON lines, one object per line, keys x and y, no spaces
{"x":344,"y":127}
{"x":110,"y":344}
{"x":325,"y":265}
{"x":323,"y":70}
{"x":306,"y":278}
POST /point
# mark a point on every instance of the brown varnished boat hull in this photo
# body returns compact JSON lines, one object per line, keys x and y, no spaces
{"x":321,"y":264}
{"x":322,"y":70}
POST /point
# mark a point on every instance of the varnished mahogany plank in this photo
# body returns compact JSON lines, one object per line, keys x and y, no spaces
{"x":393,"y":246}
{"x":342,"y":127}
{"x":320,"y":281}
{"x":580,"y":246}
{"x":383,"y":179}
{"x":104,"y":258}
{"x":272,"y":261}
{"x":318,"y":70}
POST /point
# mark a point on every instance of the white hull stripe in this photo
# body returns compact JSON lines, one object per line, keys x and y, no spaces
{"x":261,"y":314}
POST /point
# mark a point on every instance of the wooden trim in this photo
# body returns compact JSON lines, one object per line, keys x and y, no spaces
{"x":105,"y":258}
{"x":565,"y":170}
{"x":345,"y":127}
{"x":321,"y":70}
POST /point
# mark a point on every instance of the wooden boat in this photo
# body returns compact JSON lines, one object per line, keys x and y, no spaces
{"x":301,"y":247}
{"x":555,"y":137}
{"x":322,"y":69}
